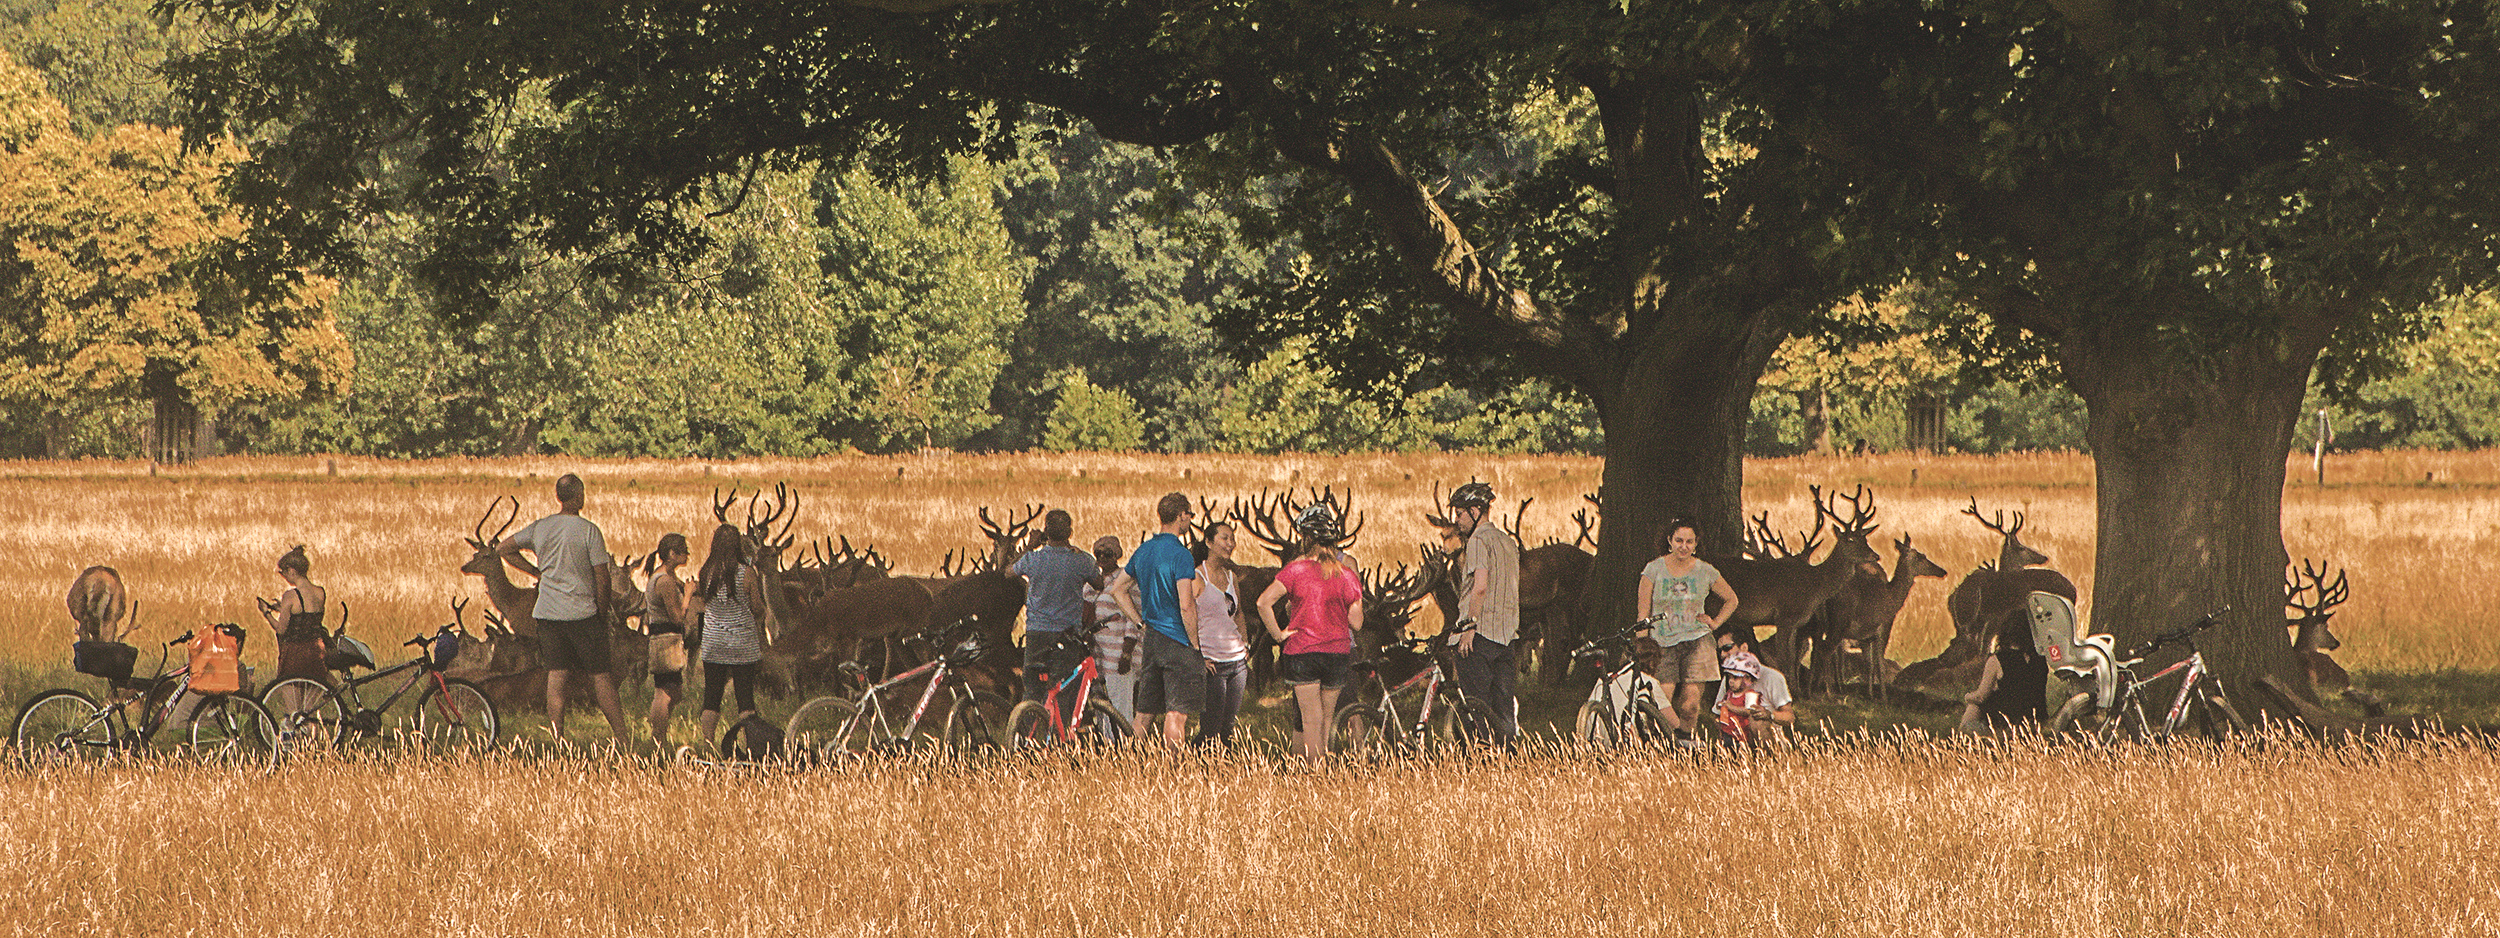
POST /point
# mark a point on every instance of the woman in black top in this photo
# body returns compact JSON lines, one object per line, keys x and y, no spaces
{"x":303,"y":642}
{"x":664,"y":617}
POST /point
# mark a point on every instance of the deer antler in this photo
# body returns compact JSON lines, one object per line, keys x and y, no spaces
{"x":1519,"y":519}
{"x":1588,"y":527}
{"x":721,"y":506}
{"x":1257,"y":518}
{"x":459,"y":610}
{"x":2321,"y":595}
{"x":1998,"y":525}
{"x":478,"y":538}
{"x":1861,"y":510}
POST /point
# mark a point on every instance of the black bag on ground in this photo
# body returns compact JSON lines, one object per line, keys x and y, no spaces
{"x":111,"y":661}
{"x":752,"y":739}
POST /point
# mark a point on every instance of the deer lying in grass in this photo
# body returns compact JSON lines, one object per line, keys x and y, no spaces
{"x":2314,"y":598}
{"x":1989,"y":599}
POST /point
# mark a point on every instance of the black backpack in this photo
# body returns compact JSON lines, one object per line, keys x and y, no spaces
{"x":753,"y":739}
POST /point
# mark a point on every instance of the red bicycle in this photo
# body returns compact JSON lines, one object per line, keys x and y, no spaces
{"x":1036,"y":724}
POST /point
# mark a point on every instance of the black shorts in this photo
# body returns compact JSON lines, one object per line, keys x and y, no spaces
{"x":670,"y":681}
{"x":1174,"y":678}
{"x":574,"y":645}
{"x":1327,"y":669}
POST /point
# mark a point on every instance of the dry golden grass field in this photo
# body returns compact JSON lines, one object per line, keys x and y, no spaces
{"x":1883,"y":836}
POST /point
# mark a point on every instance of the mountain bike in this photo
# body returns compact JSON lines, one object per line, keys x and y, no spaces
{"x":1442,"y":710}
{"x":450,"y":713}
{"x":64,"y":725}
{"x":2109,"y":704}
{"x":838,"y":726}
{"x":1613,"y":717}
{"x":1058,"y":717}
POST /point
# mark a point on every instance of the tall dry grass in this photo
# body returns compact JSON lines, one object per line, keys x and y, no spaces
{"x":198,"y":542}
{"x":1867,"y":838}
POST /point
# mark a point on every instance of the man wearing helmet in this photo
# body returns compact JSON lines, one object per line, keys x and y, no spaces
{"x":1488,"y":608}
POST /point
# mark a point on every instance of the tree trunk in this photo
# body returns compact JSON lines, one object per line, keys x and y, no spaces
{"x":1815,"y":405}
{"x":2189,"y":466}
{"x":1675,"y":443}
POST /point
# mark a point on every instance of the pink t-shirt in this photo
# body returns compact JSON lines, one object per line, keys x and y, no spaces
{"x":1319,"y":608}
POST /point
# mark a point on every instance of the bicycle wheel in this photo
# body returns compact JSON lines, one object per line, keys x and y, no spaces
{"x":972,"y":723}
{"x":1468,"y":723}
{"x":1103,"y":725}
{"x":1364,"y":732}
{"x":308,"y":712}
{"x":830,"y":725}
{"x":1595,"y":727}
{"x":61,"y":726}
{"x":456,"y":715}
{"x":234,"y":730}
{"x":1028,"y":727}
{"x":1649,"y":725}
{"x":2076,"y":716}
{"x":2220,"y":722}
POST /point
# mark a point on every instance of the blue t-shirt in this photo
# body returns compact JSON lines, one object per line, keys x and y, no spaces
{"x":1159,"y":566}
{"x":1056,"y":576}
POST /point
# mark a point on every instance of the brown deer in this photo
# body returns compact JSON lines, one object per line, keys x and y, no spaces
{"x":518,"y":604}
{"x":97,"y":603}
{"x":1552,"y":577}
{"x":1785,"y":593}
{"x":2314,"y":597}
{"x":1862,"y":617}
{"x":1987,"y":600}
{"x":987,"y":589}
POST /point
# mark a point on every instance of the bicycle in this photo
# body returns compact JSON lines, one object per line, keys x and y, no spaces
{"x":450,"y":713}
{"x":834,"y":725}
{"x":1036,"y":724}
{"x":63,"y":725}
{"x":1442,"y":711}
{"x":2112,"y":705}
{"x":1611,"y":717}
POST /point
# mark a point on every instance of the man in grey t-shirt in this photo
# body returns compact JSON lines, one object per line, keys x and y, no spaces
{"x":572,"y":564}
{"x":1055,"y":578}
{"x":1488,"y":609}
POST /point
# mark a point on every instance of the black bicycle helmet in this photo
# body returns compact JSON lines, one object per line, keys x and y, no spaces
{"x":1318,"y":523}
{"x":1472,"y":495}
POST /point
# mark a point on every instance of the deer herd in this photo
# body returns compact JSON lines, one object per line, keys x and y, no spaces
{"x":1826,"y":596}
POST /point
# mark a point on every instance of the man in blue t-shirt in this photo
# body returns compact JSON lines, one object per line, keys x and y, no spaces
{"x":1055,"y":577}
{"x":1159,"y":588}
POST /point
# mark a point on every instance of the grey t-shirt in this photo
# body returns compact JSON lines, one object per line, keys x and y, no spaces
{"x":1678,"y":601}
{"x":1493,"y":557}
{"x":568,"y":548}
{"x":1054,"y":593}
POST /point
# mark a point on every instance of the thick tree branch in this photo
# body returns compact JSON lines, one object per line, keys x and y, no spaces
{"x":1449,"y":267}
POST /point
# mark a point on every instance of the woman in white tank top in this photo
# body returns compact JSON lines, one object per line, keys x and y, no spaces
{"x":1220,"y":636}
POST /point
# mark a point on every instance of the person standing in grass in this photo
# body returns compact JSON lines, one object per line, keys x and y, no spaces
{"x":1119,"y":644}
{"x":728,"y":597}
{"x":572,"y":612}
{"x":1056,"y":579}
{"x":1159,"y":590}
{"x":1488,"y":608}
{"x":1223,"y":640}
{"x":303,"y":642}
{"x":1327,"y":608}
{"x":664,"y":618}
{"x":1675,"y":588}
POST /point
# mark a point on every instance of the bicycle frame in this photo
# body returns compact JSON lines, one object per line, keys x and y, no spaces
{"x":1063,"y":725}
{"x":872,"y":707}
{"x":2132,"y":694}
{"x":348,"y":692}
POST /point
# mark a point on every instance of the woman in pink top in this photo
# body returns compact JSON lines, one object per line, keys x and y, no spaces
{"x":1327,"y":608}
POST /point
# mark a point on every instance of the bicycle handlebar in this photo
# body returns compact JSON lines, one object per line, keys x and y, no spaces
{"x":184,"y":637}
{"x":2180,"y":634}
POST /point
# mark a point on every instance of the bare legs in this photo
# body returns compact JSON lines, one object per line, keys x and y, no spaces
{"x":1318,"y":706}
{"x":602,"y":694}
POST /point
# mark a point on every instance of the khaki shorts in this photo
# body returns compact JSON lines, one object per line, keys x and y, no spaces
{"x":1693,"y":662}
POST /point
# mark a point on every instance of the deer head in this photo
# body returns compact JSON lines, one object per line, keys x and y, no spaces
{"x":764,"y":543}
{"x":2315,"y":597}
{"x":1848,"y":534}
{"x":2011,"y":555}
{"x":1010,"y":541}
{"x":1908,"y":563}
{"x":1389,"y":599}
{"x":482,"y":558}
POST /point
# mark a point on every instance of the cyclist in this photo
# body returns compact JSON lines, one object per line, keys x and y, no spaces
{"x":1221,"y":636}
{"x":1675,"y":588}
{"x":1327,"y":608}
{"x":1488,"y":608}
{"x":303,"y":644}
{"x":664,"y":617}
{"x":1056,"y":577}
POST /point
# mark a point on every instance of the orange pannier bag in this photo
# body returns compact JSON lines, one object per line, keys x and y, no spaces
{"x":217,"y":659}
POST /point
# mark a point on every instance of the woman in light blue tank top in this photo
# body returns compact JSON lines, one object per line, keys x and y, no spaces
{"x":1675,"y":592}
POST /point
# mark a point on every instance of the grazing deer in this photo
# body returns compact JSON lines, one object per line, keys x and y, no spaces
{"x":518,"y":604}
{"x":1785,"y":593}
{"x":97,"y":603}
{"x":1862,"y":616}
{"x":2314,"y":597}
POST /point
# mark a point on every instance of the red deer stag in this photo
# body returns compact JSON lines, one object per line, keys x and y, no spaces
{"x":1863,"y":615}
{"x":2314,"y":598}
{"x":518,"y":604}
{"x":1785,"y":593}
{"x":1986,"y":600}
